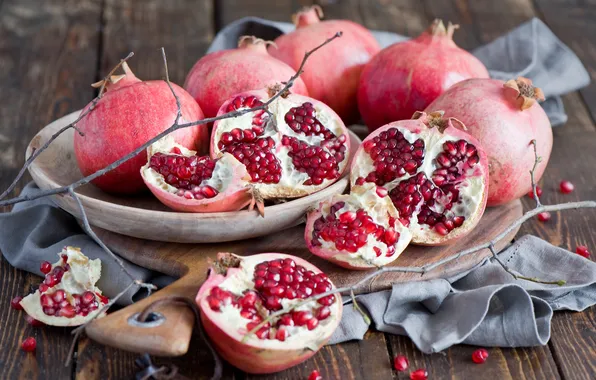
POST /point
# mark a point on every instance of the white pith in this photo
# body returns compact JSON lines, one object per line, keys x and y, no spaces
{"x":379,"y":209}
{"x":230,"y":320}
{"x":291,"y":182}
{"x":471,"y":188}
{"x":82,"y":276}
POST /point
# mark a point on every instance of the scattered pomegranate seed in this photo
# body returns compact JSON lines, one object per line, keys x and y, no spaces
{"x":566,"y":187}
{"x":29,"y":344}
{"x":544,"y":216}
{"x":538,"y":192}
{"x":583,"y":251}
{"x":419,"y":374}
{"x":45,"y":267}
{"x":15,"y":303}
{"x":315,"y":375}
{"x":479,"y":356}
{"x":33,"y":322}
{"x":400,"y":363}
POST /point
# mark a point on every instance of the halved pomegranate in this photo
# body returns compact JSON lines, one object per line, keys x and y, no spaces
{"x":357,"y":231}
{"x":68,"y":295}
{"x":300,"y":147}
{"x":186,"y":182}
{"x":436,"y":175}
{"x":243,"y":291}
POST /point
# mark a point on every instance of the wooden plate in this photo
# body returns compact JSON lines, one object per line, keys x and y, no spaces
{"x":144,"y":216}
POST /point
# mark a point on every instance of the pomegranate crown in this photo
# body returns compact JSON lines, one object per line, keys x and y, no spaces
{"x":438,"y":29}
{"x":114,"y":82}
{"x":307,"y":15}
{"x":523,"y":93}
{"x":436,"y":119}
{"x":245,"y":42}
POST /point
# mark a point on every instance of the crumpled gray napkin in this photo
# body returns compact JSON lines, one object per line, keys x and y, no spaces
{"x":530,"y":50}
{"x":37,"y":231}
{"x":486,"y":307}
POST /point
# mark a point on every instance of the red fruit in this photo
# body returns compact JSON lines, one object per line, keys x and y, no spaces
{"x":544,"y":216}
{"x":371,"y":236}
{"x":315,"y":375}
{"x":29,"y":344}
{"x":505,"y":118}
{"x":15,"y":303}
{"x":479,"y":356}
{"x":57,"y":307}
{"x":186,"y":182}
{"x":400,"y":363}
{"x":407,"y":76}
{"x":331,"y":74}
{"x":566,"y":187}
{"x":275,"y":346}
{"x":419,"y":374}
{"x":295,"y":156}
{"x":219,"y":75}
{"x":45,"y":267}
{"x":583,"y":251}
{"x":436,"y":175}
{"x":538,"y":192}
{"x":128,"y":115}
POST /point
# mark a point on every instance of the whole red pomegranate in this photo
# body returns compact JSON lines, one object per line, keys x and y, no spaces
{"x":243,"y":291}
{"x":298,"y":148}
{"x":435,"y":174}
{"x":361,"y":230}
{"x":129,"y":114}
{"x":332,"y":73}
{"x":219,"y":75}
{"x":505,"y":118}
{"x":405,"y":77}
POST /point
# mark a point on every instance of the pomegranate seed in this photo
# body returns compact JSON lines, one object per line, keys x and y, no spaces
{"x":566,"y":187}
{"x":45,"y":267}
{"x":538,"y":192}
{"x":583,"y":251}
{"x":419,"y":374}
{"x":87,"y":298}
{"x":315,"y":375}
{"x":59,"y":295}
{"x":33,"y":322}
{"x":400,"y":363}
{"x":544,"y":216}
{"x":479,"y":356}
{"x":382,"y":192}
{"x":29,"y":344}
{"x":323,"y":313}
{"x":15,"y":303}
{"x":46,"y":301}
{"x":67,"y":311}
{"x":281,"y":335}
{"x":302,"y":317}
{"x":43,"y":288}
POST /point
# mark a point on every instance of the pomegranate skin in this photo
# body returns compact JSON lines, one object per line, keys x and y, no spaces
{"x":505,"y":131}
{"x":249,"y":356}
{"x":218,"y":76}
{"x":130,"y":113}
{"x":407,"y":76}
{"x":332,"y":73}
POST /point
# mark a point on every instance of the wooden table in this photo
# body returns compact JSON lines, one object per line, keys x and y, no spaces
{"x":51,"y":51}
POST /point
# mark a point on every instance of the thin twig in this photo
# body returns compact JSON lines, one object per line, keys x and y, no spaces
{"x":106,"y":79}
{"x":537,"y":159}
{"x":358,"y":309}
{"x":178,"y":105}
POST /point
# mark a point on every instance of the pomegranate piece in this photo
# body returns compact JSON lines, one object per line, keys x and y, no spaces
{"x":219,"y":75}
{"x":129,"y":114}
{"x":400,"y":363}
{"x":15,"y":303}
{"x":544,"y":216}
{"x":566,"y":187}
{"x":419,"y":374}
{"x":242,"y":291}
{"x":436,"y":175}
{"x":300,"y":148}
{"x":582,"y":250}
{"x":357,"y":231}
{"x":479,"y":356}
{"x":538,"y":192}
{"x":505,"y":117}
{"x":335,"y":84}
{"x":186,"y":182}
{"x":29,"y":344}
{"x":56,"y":302}
{"x":315,"y":375}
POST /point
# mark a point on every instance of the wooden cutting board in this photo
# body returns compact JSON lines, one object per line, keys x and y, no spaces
{"x":190,"y":262}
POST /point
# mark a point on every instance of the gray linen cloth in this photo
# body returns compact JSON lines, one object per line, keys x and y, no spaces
{"x":486,"y":307}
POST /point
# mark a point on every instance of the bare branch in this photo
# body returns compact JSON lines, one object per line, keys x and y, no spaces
{"x":106,"y":79}
{"x":537,"y":159}
{"x":178,"y":105}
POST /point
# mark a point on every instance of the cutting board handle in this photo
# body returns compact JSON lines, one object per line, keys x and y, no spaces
{"x":168,"y":335}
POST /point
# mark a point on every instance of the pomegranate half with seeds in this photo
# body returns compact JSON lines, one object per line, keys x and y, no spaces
{"x":68,"y":295}
{"x":435,"y":174}
{"x":241,"y":292}
{"x":357,"y":231}
{"x":300,"y":147}
{"x":184,"y":181}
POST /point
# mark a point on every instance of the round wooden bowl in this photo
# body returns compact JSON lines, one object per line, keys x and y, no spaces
{"x":144,"y":216}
